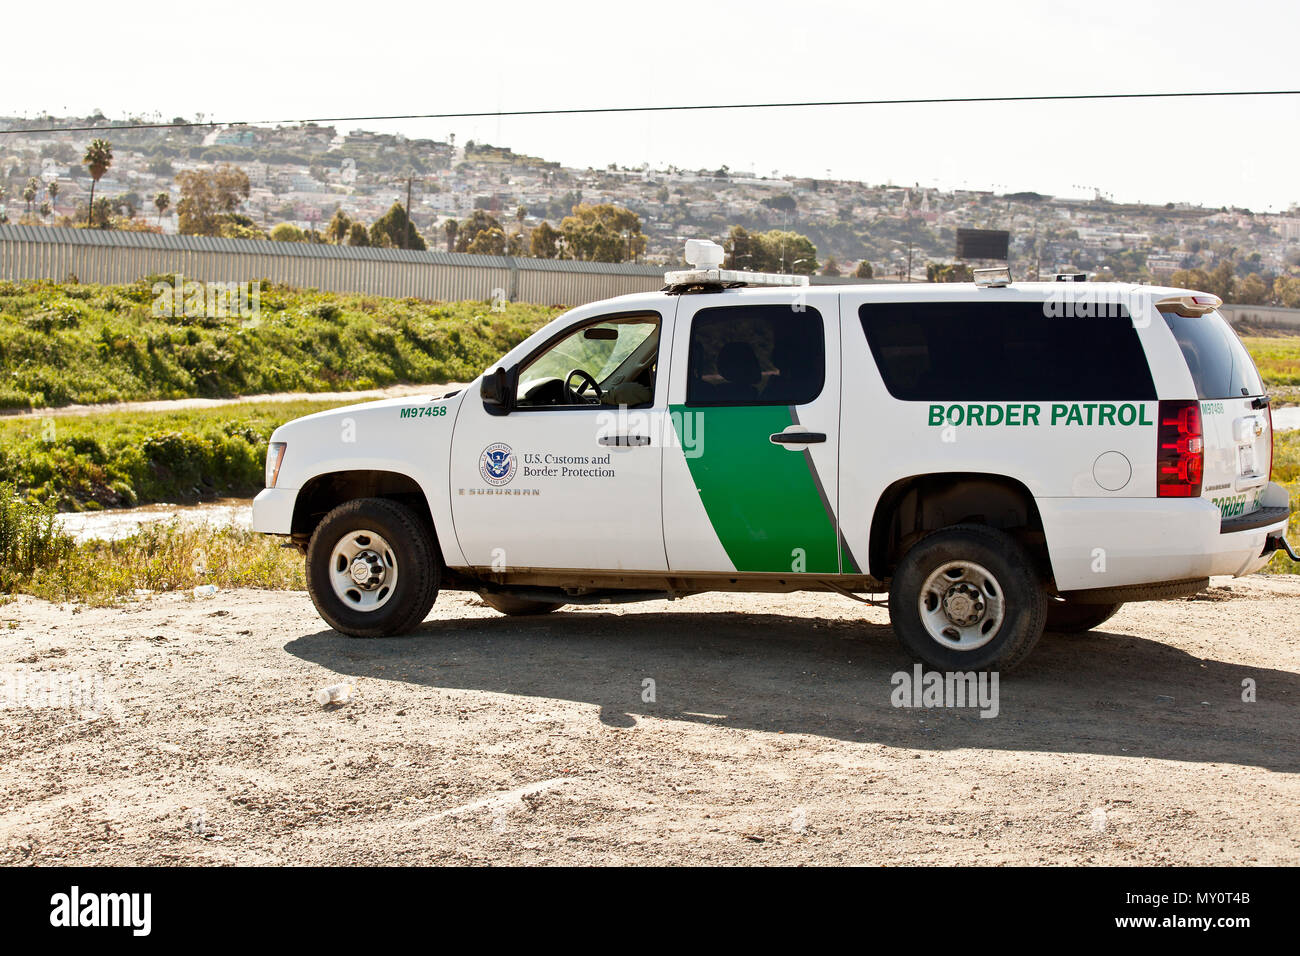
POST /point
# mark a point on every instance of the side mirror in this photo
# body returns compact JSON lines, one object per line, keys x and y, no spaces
{"x":495,"y":392}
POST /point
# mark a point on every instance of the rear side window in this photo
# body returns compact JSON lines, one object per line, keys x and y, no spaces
{"x":1004,"y":351}
{"x":756,"y":355}
{"x":1220,"y":365}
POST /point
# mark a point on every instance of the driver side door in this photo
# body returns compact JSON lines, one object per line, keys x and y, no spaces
{"x":558,"y":480}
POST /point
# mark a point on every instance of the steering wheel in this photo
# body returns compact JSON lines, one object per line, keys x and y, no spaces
{"x":574,"y":395}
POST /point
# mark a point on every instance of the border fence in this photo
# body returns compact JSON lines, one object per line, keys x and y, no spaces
{"x":110,"y":257}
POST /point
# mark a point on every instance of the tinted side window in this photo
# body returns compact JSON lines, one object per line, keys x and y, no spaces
{"x":756,"y":355}
{"x":1220,"y":365}
{"x":1004,"y":351}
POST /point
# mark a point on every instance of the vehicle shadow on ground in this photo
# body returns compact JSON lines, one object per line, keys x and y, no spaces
{"x":1101,"y":693}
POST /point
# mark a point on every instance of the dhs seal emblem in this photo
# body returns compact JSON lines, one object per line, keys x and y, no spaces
{"x":497,"y":464}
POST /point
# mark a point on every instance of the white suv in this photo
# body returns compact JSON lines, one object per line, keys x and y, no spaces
{"x":999,"y":458}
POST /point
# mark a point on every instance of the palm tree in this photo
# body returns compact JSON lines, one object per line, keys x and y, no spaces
{"x":52,"y":188}
{"x":451,"y":227}
{"x":162,"y":201}
{"x":99,"y":156}
{"x":29,"y":192}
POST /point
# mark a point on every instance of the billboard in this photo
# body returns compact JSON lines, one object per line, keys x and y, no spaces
{"x":983,"y":244}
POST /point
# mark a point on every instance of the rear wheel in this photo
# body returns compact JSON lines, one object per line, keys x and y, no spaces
{"x":967,"y":598}
{"x":372,"y":568}
{"x":516,"y":606}
{"x":1067,"y":617}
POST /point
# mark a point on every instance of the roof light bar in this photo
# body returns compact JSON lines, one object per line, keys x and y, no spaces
{"x":706,"y":256}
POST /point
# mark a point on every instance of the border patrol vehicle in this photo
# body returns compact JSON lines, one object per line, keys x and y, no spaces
{"x":999,"y":457}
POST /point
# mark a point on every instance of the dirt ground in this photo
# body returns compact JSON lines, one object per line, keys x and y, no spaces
{"x":770,"y":739}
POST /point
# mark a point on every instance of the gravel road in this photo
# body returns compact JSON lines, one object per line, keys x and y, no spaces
{"x":770,"y":737}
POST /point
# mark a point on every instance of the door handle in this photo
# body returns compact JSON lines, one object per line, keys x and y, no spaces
{"x":624,"y":441}
{"x":797,"y":438}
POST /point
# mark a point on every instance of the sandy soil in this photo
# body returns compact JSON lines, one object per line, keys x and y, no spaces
{"x":771,"y":738}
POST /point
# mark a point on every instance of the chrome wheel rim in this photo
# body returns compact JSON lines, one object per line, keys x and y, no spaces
{"x":962,"y":605}
{"x":363,"y":571}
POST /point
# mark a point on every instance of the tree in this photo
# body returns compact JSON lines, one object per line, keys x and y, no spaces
{"x":340,"y":225}
{"x":863,"y":271}
{"x":832,"y":268}
{"x":602,"y":233}
{"x":357,"y":235}
{"x":489,"y":242}
{"x":1252,"y":290}
{"x":743,"y":250}
{"x":544,"y":243}
{"x":450,"y":228}
{"x":98,"y":159}
{"x":394,"y":229}
{"x":468,"y":232}
{"x":287,"y":232}
{"x":1286,"y":290}
{"x":161,"y":202}
{"x":776,"y":250}
{"x":208,"y":198}
{"x":787,"y":251}
{"x":31,"y":189}
{"x":948,"y":272}
{"x":52,"y":190}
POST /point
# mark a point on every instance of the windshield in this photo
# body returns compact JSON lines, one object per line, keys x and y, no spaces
{"x":1220,"y":365}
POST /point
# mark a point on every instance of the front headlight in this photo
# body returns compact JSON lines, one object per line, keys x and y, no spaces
{"x":274,"y":456}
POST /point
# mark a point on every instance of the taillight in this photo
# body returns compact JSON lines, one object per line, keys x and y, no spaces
{"x":1180,"y":450}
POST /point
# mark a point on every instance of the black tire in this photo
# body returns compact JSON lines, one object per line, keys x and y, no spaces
{"x":997,"y":579}
{"x":414,"y":562}
{"x":1067,"y":617}
{"x":516,"y":606}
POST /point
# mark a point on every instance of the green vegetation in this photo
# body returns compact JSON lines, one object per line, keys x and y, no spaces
{"x":1277,"y":357}
{"x":89,"y":462}
{"x":29,"y":539}
{"x":170,"y":557}
{"x":1286,"y":470}
{"x":66,"y":343}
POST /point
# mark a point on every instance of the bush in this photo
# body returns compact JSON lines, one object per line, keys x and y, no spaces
{"x":30,"y":540}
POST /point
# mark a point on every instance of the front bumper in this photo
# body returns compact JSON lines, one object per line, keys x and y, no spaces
{"x":273,"y":510}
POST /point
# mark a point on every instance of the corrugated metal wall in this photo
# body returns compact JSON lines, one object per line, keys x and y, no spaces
{"x":35,"y":252}
{"x":1262,"y":315}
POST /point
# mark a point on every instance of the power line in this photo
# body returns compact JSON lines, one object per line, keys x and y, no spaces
{"x":582,"y":111}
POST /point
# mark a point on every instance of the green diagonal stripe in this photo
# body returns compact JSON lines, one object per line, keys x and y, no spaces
{"x":761,"y":498}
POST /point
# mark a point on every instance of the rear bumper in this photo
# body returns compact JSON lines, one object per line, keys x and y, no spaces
{"x":1116,"y":542}
{"x":273,"y":510}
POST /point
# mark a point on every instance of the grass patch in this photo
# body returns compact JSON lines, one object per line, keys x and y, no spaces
{"x":1276,"y":357}
{"x":163,"y":558}
{"x":113,"y":460}
{"x":72,"y":343}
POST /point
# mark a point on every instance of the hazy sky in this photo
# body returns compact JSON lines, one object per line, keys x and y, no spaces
{"x":243,"y":60}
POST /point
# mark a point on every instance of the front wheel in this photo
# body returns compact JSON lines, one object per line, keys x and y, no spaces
{"x":967,"y":598}
{"x":372,"y":568}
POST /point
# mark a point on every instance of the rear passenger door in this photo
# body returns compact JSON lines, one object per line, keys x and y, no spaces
{"x":752,"y":441}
